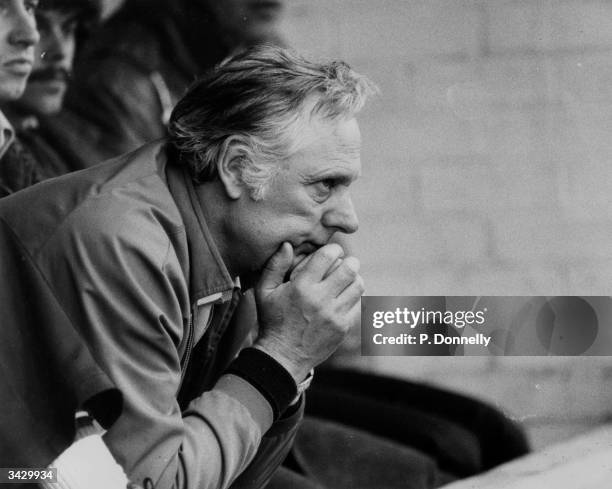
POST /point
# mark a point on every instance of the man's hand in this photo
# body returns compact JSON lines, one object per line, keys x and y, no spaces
{"x":303,"y":321}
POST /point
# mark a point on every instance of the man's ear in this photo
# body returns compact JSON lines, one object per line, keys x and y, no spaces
{"x":230,"y":164}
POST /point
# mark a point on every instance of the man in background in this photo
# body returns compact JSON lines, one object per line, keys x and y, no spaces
{"x":63,"y":26}
{"x":143,"y":59}
{"x":18,"y":36}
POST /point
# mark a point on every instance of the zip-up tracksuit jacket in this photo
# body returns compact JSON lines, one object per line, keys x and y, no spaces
{"x":122,"y":252}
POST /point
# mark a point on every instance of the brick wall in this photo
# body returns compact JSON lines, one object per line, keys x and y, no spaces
{"x":486,"y":166}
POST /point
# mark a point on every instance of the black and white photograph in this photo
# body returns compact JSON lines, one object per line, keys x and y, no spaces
{"x":306,"y":244}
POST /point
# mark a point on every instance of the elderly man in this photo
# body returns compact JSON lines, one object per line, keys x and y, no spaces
{"x":62,"y":25}
{"x":147,"y":257}
{"x":18,"y":36}
{"x":142,"y":60}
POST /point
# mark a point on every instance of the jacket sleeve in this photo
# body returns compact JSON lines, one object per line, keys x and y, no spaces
{"x":35,"y":366}
{"x":120,"y":279}
{"x":273,"y":449}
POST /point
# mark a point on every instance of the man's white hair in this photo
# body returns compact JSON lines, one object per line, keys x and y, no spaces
{"x":260,"y":100}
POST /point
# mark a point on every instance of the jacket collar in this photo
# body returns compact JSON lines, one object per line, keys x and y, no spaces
{"x":7,"y":134}
{"x":209,"y":279}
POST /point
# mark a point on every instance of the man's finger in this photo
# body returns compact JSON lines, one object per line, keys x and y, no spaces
{"x":342,"y":276}
{"x":351,"y":294}
{"x":321,"y":261}
{"x":300,"y":266}
{"x":277,"y":267}
{"x":334,"y":266}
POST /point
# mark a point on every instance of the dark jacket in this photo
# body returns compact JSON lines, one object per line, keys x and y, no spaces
{"x":133,"y":71}
{"x":50,"y":145}
{"x":42,"y":149}
{"x":124,"y":250}
{"x":18,"y":168}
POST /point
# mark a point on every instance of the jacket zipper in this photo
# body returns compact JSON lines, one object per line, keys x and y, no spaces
{"x":188,"y":348}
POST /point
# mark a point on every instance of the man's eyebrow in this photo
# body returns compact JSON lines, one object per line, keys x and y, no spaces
{"x":345,"y":179}
{"x":339,"y":175}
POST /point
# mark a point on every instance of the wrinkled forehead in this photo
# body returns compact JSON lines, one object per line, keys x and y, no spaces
{"x":348,"y":136}
{"x":330,"y":146}
{"x":322,"y":118}
{"x":339,"y":136}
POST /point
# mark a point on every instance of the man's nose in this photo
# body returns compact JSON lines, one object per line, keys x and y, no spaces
{"x":342,"y":216}
{"x":23,"y":30}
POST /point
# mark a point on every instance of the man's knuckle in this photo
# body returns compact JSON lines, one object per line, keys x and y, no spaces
{"x":349,"y":271}
{"x":352,"y":263}
{"x":328,"y":253}
{"x":330,"y":317}
{"x":299,"y":283}
{"x":305,"y":298}
{"x":331,"y":251}
{"x":345,"y":327}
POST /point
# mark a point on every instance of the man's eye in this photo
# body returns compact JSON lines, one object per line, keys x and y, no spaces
{"x":323,"y":188}
{"x":328,"y":183}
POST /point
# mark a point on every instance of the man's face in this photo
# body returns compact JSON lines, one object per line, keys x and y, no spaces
{"x":18,"y":35}
{"x":54,"y":55}
{"x":248,"y":20}
{"x":308,"y":200}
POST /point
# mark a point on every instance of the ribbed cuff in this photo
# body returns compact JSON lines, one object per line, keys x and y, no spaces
{"x":268,"y":376}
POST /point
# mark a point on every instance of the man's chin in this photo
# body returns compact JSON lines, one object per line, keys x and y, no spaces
{"x":42,"y":103}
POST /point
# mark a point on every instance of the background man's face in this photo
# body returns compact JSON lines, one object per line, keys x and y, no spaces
{"x":53,"y":59}
{"x":18,"y":36}
{"x":308,"y":200}
{"x":248,"y":20}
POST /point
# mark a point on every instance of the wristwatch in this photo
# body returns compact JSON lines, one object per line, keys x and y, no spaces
{"x":302,"y":386}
